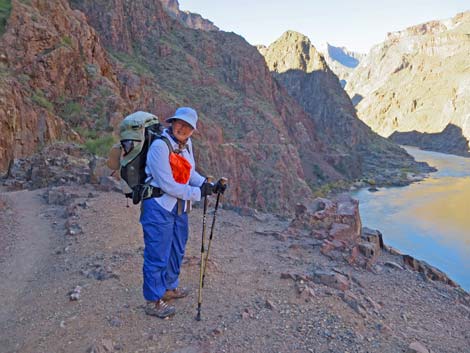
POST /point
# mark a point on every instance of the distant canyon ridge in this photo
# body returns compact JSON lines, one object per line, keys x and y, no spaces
{"x":415,"y":86}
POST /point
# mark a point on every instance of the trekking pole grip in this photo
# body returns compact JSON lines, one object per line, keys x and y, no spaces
{"x":223,"y":180}
{"x":221,"y":186}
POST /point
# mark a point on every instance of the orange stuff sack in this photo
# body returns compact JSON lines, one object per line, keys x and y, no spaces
{"x":180,"y":167}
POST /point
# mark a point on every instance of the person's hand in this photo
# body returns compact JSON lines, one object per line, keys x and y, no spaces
{"x":207,"y":189}
{"x":220,"y":186}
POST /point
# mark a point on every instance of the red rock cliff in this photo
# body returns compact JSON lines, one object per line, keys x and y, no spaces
{"x":90,"y":65}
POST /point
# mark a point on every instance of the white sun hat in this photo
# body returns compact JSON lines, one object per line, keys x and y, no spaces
{"x":186,"y":114}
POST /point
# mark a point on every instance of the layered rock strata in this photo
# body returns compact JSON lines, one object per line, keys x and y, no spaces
{"x":418,"y":79}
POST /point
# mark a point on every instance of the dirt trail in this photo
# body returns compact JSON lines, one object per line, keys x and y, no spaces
{"x":249,"y":305}
{"x":29,"y":237}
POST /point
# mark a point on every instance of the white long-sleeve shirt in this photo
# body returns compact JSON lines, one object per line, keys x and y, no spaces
{"x":158,"y":168}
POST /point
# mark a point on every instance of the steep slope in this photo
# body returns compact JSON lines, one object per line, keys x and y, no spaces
{"x":89,"y":66}
{"x":418,"y":79}
{"x":303,"y":71}
{"x":56,"y":75}
{"x":251,"y":130}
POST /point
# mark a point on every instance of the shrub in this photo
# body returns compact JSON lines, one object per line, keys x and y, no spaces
{"x":5,"y":9}
{"x":72,"y":113}
{"x":132,"y":62}
{"x":39,"y":98}
{"x":100,"y":145}
{"x":66,"y":41}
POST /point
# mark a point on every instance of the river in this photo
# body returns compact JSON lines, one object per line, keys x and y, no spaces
{"x":430,"y":219}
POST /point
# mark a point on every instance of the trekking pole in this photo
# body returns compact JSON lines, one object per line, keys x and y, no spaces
{"x":222,"y":181}
{"x":199,"y":298}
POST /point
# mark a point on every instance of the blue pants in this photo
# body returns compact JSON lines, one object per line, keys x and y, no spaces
{"x":165,"y":237}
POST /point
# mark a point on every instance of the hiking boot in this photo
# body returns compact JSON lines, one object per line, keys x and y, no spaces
{"x":176,"y":293}
{"x":160,"y":308}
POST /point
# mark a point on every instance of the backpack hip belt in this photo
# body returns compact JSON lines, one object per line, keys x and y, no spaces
{"x":152,"y":191}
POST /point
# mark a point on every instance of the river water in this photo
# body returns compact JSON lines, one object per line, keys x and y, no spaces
{"x":429,"y":220}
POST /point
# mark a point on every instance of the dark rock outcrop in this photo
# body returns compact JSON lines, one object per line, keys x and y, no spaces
{"x":57,"y":76}
{"x":428,"y":271}
{"x":450,"y":140}
{"x":58,"y":164}
{"x":338,"y":225}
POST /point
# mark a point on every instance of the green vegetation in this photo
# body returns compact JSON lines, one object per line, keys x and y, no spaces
{"x":333,"y":187}
{"x":132,"y":63}
{"x":66,"y":41}
{"x":5,"y":9}
{"x":91,"y":69}
{"x":96,"y":142}
{"x":4,"y":71}
{"x":39,"y":98}
{"x":86,"y":133}
{"x":72,"y":108}
{"x":96,"y":109}
{"x":23,"y":79}
{"x":100,"y":145}
{"x":71,"y":112}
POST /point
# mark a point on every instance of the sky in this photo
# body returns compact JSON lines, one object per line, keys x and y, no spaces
{"x":354,"y":24}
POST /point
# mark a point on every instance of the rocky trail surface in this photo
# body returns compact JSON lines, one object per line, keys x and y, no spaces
{"x":70,"y":267}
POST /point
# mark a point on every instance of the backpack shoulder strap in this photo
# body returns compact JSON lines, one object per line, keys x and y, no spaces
{"x":167,"y":141}
{"x":154,"y":191}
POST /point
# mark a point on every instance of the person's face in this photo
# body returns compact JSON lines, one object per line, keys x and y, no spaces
{"x":181,"y":129}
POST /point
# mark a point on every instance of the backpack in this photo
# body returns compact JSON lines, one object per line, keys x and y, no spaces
{"x":137,"y":131}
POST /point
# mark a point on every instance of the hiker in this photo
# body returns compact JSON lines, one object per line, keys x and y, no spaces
{"x":164,"y":216}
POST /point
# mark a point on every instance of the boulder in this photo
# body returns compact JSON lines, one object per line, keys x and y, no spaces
{"x":370,"y":247}
{"x":58,"y":164}
{"x":417,"y":347}
{"x":372,"y":236}
{"x":339,"y":218}
{"x":353,"y":301}
{"x":337,"y":224}
{"x":331,"y":279}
